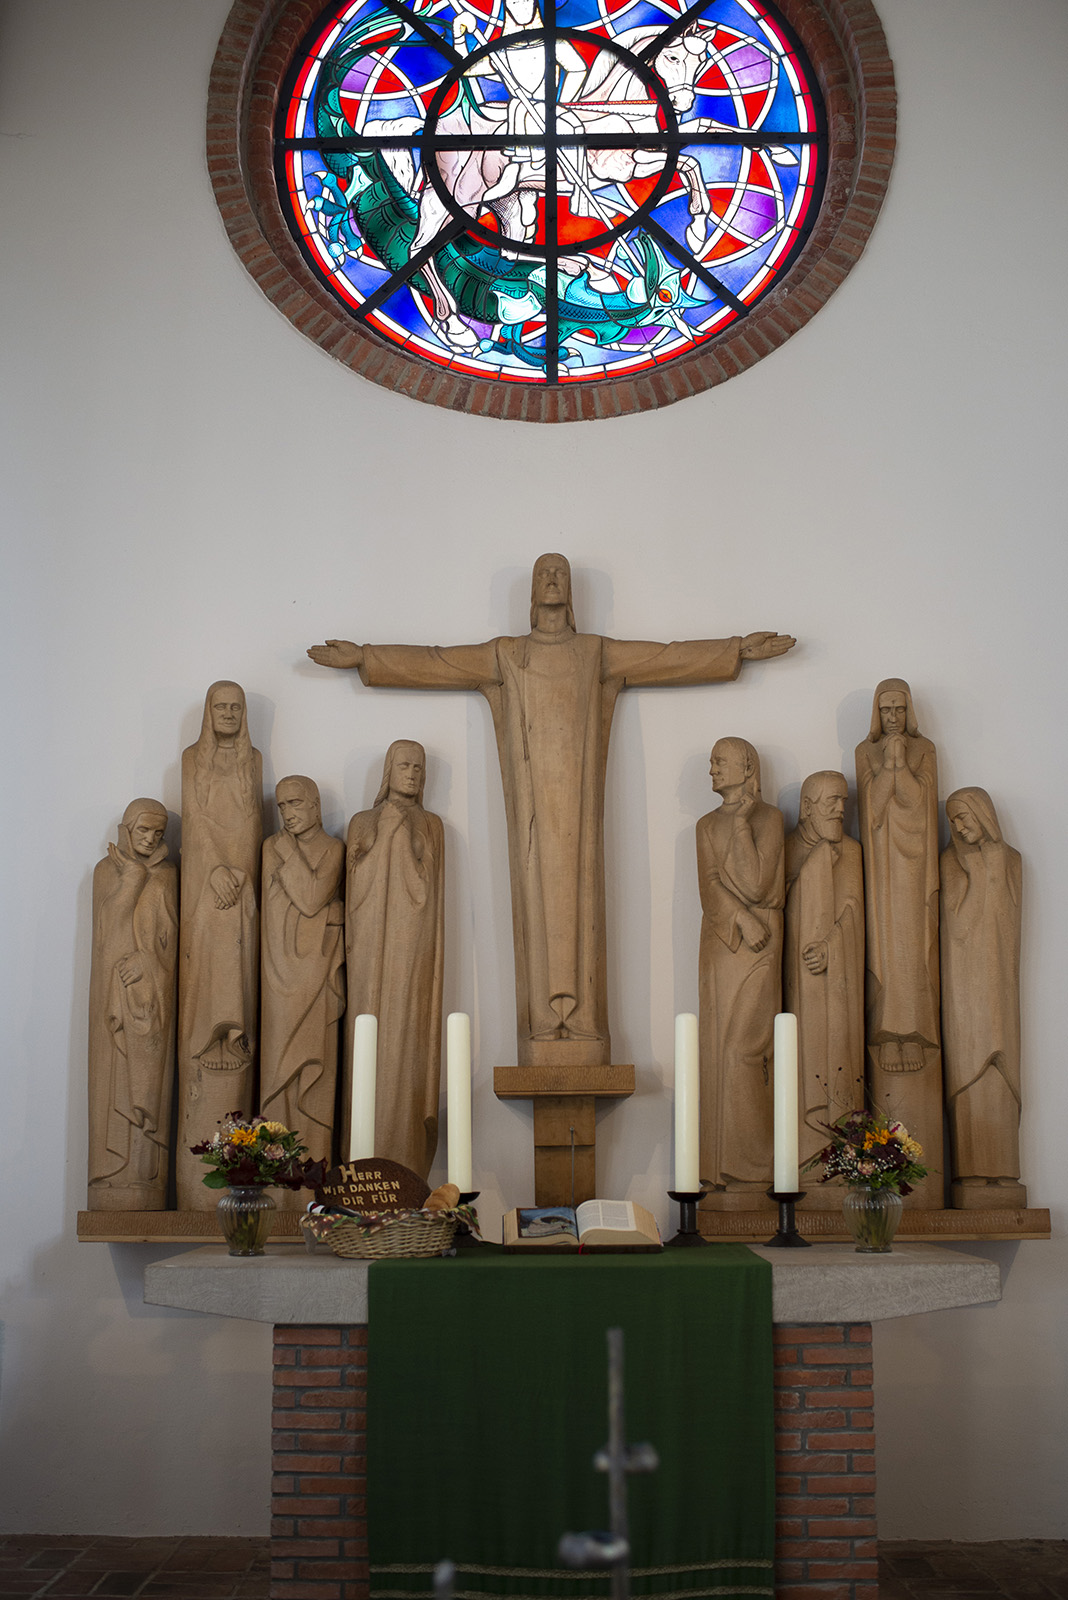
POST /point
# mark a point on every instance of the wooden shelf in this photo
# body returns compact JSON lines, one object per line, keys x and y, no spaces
{"x":917,"y":1227}
{"x":171,"y":1227}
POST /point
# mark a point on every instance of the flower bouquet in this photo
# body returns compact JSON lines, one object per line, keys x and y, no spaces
{"x":880,"y":1163}
{"x":245,"y":1157}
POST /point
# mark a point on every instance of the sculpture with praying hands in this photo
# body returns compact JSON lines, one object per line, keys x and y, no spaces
{"x":552,"y":693}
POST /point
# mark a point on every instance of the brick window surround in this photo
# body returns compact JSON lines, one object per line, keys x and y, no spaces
{"x":825,"y":1543}
{"x":846,"y":46}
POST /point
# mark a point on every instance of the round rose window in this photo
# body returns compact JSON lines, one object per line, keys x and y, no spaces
{"x":544,"y":193}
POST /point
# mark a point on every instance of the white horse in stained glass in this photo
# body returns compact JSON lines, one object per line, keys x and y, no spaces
{"x":601,"y":97}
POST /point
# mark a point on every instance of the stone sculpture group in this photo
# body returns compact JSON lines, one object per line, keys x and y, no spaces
{"x":890,"y":957}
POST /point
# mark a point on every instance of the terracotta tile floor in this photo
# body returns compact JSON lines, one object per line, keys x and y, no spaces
{"x":1018,"y":1569}
{"x":86,"y":1568}
{"x":153,"y":1569}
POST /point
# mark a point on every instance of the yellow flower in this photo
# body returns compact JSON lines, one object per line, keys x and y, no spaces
{"x":241,"y":1136}
{"x":276,"y":1129}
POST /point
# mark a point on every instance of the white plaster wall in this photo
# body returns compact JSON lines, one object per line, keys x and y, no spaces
{"x":191,"y":491}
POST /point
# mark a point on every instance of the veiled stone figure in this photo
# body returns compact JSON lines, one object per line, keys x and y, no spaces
{"x":302,"y":980}
{"x":394,"y":912}
{"x":740,"y":871}
{"x":218,"y":985}
{"x":552,"y":693}
{"x":897,"y":802}
{"x":981,"y":885}
{"x":823,"y":964}
{"x":131,"y":1015}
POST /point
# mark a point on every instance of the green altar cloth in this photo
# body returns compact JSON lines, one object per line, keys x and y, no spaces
{"x":488,"y":1397}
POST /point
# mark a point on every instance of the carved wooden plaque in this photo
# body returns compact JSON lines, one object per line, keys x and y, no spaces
{"x":373,"y":1185}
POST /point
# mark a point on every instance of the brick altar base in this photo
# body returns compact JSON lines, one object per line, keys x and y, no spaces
{"x":825,"y":1463}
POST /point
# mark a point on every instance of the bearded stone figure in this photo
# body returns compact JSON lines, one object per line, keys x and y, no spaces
{"x":394,"y":904}
{"x":740,"y":871}
{"x":980,"y":935}
{"x":897,"y":801}
{"x":218,"y":984}
{"x":131,"y":1015}
{"x":823,"y":965}
{"x":302,"y":983}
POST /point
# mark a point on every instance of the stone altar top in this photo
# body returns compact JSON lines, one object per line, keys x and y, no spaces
{"x":827,"y":1283}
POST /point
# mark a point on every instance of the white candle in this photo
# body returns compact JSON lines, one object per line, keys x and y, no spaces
{"x":458,"y":1098}
{"x":364,"y":1073}
{"x":787,"y":1179}
{"x":687,"y":1105}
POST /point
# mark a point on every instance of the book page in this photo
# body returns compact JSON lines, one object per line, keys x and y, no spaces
{"x":605,"y":1214}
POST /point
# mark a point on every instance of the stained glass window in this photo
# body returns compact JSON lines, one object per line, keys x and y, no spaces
{"x":550,"y":191}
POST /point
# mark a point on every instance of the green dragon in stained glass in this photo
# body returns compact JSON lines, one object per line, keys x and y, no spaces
{"x":369,"y":200}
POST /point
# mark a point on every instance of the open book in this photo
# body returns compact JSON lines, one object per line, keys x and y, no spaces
{"x":596,"y":1225}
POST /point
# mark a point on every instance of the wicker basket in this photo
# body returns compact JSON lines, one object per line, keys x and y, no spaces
{"x":406,"y":1234}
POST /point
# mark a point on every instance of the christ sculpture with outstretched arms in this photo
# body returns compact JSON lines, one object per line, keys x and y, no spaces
{"x":552,"y":693}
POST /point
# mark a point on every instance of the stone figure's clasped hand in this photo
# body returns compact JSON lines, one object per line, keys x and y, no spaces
{"x":128,"y":867}
{"x":226,"y":886}
{"x":130,"y":969}
{"x":814,"y":956}
{"x":894,"y":751}
{"x":761,"y":646}
{"x":753,"y":930}
{"x":337,"y":653}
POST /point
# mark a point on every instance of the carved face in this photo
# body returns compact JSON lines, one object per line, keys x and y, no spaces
{"x":825,"y":810}
{"x":893,"y":711}
{"x":298,"y":807}
{"x":146,"y":833}
{"x":552,"y":581}
{"x":406,"y":771}
{"x":728,"y":766}
{"x":227,"y":710}
{"x":963,"y":822}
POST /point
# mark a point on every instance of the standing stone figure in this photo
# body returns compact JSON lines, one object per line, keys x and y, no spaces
{"x":552,"y":693}
{"x":981,"y":880}
{"x":131,"y":1015}
{"x":302,"y":982}
{"x":740,"y":870}
{"x":897,"y":801}
{"x":823,"y":967}
{"x":394,"y":904}
{"x":218,"y":983}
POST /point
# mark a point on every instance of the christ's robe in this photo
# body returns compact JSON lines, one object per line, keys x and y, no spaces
{"x":552,"y":696}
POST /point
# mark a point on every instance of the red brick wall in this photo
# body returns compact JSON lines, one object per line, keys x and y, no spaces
{"x":824,"y":1439}
{"x":318,"y":1505}
{"x":825,"y":1463}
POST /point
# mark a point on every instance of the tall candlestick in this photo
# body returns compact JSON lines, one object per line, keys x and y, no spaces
{"x":364,"y":1073}
{"x":787,"y":1179}
{"x":458,"y":1098}
{"x":687,"y":1105}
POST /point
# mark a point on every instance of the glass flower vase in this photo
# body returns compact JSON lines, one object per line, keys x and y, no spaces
{"x":872,"y":1216}
{"x":245,"y":1215}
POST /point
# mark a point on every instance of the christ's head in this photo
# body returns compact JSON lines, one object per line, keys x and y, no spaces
{"x":550,"y":585}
